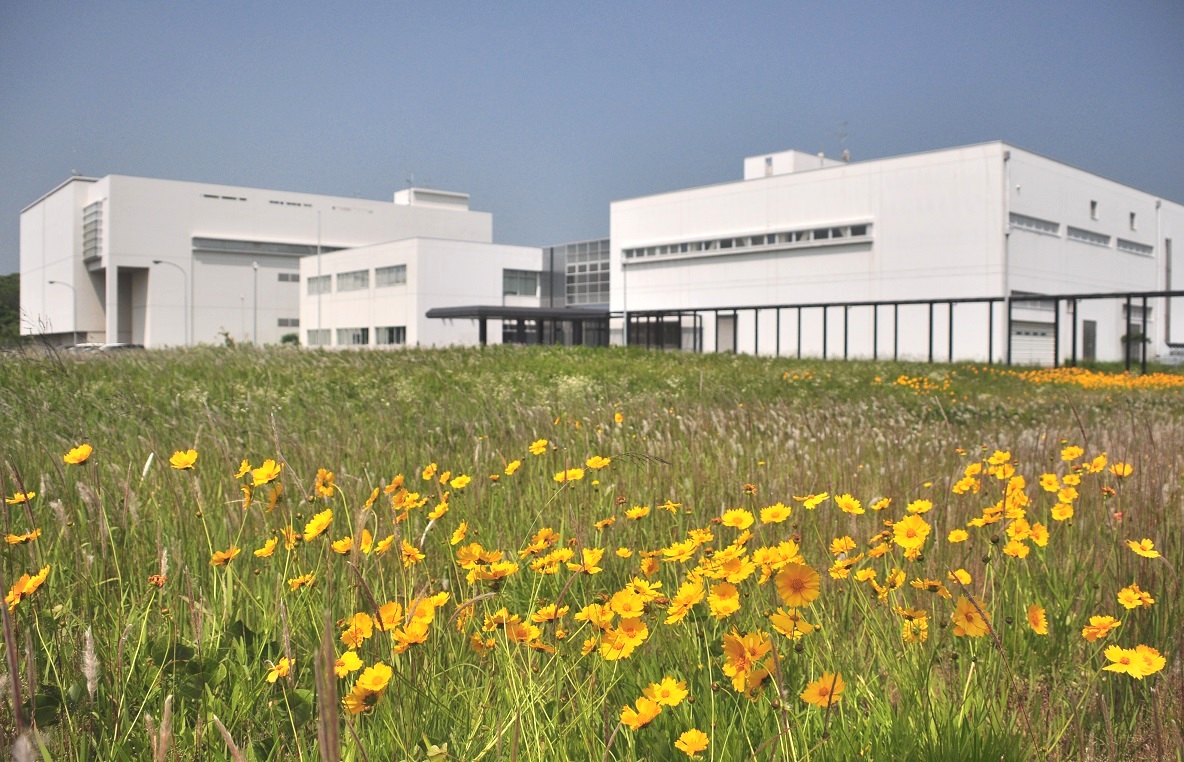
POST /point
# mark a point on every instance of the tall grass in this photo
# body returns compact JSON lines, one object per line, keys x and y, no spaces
{"x":110,"y":666}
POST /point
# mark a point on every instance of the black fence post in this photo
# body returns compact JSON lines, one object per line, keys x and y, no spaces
{"x":777,"y":349}
{"x":875,"y":332}
{"x":895,"y":331}
{"x":990,"y":333}
{"x":931,"y":332}
{"x":951,"y":336}
{"x":846,"y":312}
{"x":1056,"y":333}
{"x":1143,"y":340}
{"x":1073,"y":351}
{"x":1126,"y":344}
{"x":1009,"y":303}
{"x":756,"y":332}
{"x":824,"y":311}
{"x":799,"y":333}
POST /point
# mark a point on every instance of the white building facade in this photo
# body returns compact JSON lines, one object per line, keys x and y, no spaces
{"x":165,"y":263}
{"x":987,"y":220}
{"x":378,"y":296}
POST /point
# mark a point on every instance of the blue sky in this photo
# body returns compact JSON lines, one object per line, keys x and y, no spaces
{"x":545,"y":112}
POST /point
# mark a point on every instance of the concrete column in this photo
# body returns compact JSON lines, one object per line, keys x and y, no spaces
{"x":112,"y":291}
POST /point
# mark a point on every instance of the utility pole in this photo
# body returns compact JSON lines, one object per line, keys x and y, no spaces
{"x":319,"y":342}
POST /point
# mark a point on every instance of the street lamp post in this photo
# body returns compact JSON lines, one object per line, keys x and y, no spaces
{"x":73,"y":307}
{"x":188,"y":317}
{"x":255,"y":304}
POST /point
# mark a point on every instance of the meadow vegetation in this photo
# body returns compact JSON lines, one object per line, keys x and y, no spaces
{"x":548,"y":553}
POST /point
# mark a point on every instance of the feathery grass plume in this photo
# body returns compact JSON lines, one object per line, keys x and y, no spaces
{"x":165,"y":739}
{"x":89,"y":499}
{"x":22,"y":749}
{"x":90,"y":664}
{"x":131,"y":504}
{"x":150,"y":728}
{"x":235,"y":753}
{"x":119,"y":649}
{"x":59,"y":512}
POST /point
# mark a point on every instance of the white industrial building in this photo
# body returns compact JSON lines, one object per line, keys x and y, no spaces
{"x":987,"y":220}
{"x":160,"y":262}
{"x":741,"y":266}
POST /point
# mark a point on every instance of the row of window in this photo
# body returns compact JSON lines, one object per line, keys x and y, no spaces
{"x":391,"y":335}
{"x":789,"y":238}
{"x":289,"y":322}
{"x":1081,"y":235}
{"x":357,"y":280}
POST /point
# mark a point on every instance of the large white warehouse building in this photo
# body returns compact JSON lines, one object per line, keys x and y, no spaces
{"x":987,"y":220}
{"x":740,"y":266}
{"x":160,"y":262}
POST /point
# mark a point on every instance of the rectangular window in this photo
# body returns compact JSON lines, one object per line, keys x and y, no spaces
{"x":353,"y":281}
{"x":1093,"y":210}
{"x":289,"y":322}
{"x":318,"y":284}
{"x":1087,"y":236}
{"x":1133,"y":221}
{"x":1035,"y":224}
{"x":318,"y":337}
{"x":1134,"y":248}
{"x":391,"y":335}
{"x":390,"y":276}
{"x":289,"y":277}
{"x":520,"y":283}
{"x":353,"y":337}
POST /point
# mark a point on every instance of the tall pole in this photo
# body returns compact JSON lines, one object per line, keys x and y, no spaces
{"x":73,"y":307}
{"x":255,"y":303}
{"x":187,"y":296}
{"x":319,"y":342}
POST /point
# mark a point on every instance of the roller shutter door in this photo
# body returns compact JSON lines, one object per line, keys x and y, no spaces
{"x":1032,"y":343}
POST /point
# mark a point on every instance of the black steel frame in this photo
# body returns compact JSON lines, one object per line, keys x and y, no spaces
{"x":636,"y":318}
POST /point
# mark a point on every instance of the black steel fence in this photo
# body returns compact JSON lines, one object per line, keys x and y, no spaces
{"x":685,"y":328}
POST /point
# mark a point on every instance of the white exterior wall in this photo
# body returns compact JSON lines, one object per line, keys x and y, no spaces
{"x":1043,"y":262}
{"x":940,"y":228}
{"x":150,"y":219}
{"x":440,"y":273}
{"x":936,"y":231}
{"x":51,"y":245}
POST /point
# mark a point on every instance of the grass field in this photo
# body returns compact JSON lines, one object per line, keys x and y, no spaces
{"x":327,"y":608}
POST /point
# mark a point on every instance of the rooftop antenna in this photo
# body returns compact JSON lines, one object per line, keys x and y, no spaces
{"x":842,"y":135}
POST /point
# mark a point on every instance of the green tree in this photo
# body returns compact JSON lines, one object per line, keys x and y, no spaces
{"x":10,"y":308}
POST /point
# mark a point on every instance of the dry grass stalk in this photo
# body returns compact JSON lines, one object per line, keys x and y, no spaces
{"x":235,"y":753}
{"x":328,"y":740}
